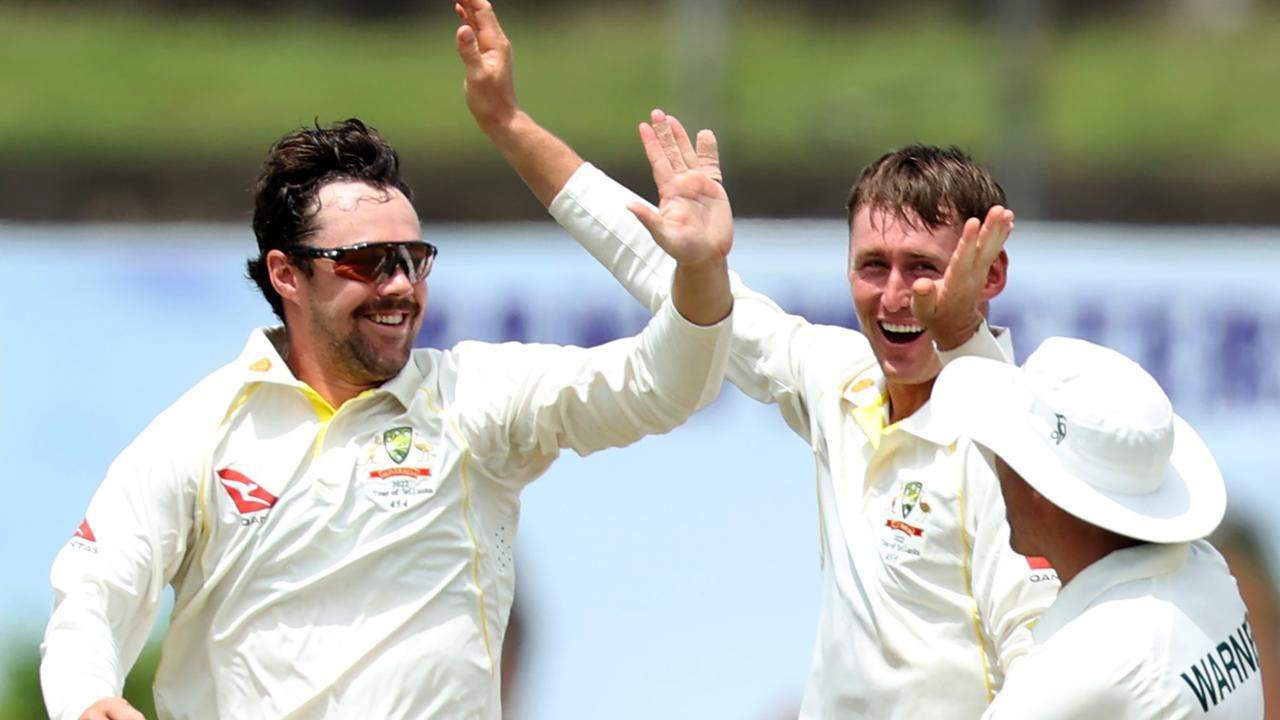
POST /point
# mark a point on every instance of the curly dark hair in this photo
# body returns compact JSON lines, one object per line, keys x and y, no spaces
{"x":925,"y":183}
{"x":296,"y":167}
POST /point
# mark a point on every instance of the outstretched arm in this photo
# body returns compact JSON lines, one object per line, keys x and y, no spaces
{"x":772,"y":358}
{"x":543,"y":160}
{"x":693,"y":223}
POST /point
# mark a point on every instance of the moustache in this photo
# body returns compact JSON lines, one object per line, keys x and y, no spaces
{"x":387,"y":305}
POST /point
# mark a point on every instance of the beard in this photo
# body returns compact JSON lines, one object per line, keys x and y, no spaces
{"x":357,"y":358}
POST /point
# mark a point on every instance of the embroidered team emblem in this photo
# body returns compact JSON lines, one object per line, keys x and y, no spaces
{"x":911,"y":497}
{"x":247,"y":495}
{"x":398,"y":441}
{"x":900,"y":540}
{"x":407,"y":483}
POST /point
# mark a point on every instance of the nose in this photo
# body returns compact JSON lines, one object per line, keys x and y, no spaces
{"x":897,"y":292}
{"x":397,"y":283}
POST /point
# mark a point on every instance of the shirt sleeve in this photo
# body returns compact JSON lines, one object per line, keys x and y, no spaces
{"x":532,"y":400}
{"x":1011,"y":590}
{"x":108,"y":581}
{"x":770,"y":358}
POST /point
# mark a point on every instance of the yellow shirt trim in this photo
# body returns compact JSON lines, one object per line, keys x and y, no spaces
{"x":464,"y":468}
{"x":968,"y":586}
{"x":873,"y":418}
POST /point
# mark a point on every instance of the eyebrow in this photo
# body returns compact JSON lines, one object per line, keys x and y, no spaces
{"x":929,"y":257}
{"x":914,"y":255}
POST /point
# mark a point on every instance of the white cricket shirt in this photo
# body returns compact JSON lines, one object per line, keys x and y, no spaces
{"x":924,"y":604}
{"x":348,"y":563}
{"x":1151,"y":631}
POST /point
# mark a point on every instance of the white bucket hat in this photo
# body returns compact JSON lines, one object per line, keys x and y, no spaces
{"x":1092,"y":432}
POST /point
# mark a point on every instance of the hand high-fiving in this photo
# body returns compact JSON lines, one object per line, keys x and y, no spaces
{"x":486,"y":53}
{"x":949,"y":308}
{"x":693,"y":222}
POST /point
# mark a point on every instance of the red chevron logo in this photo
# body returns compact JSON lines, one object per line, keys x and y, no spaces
{"x":85,"y":532}
{"x":248,"y":495}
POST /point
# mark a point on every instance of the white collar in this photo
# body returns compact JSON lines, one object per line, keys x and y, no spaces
{"x":1139,"y":562}
{"x":262,"y":362}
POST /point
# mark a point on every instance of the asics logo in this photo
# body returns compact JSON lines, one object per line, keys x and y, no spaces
{"x":1060,"y":432}
{"x":248,"y":495}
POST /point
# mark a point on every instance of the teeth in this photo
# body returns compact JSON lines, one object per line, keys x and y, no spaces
{"x":895,"y":327}
{"x":391,"y":319}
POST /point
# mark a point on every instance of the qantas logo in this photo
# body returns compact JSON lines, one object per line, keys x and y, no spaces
{"x":1038,"y":563}
{"x":84,"y":539}
{"x":84,"y":532}
{"x":245,"y":493}
{"x":1041,"y":570}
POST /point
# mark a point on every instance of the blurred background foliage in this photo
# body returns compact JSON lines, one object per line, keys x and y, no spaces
{"x":1156,"y":110}
{"x":20,"y":697}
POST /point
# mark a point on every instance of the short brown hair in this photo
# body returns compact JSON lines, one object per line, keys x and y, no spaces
{"x":296,"y":167}
{"x":925,"y":183}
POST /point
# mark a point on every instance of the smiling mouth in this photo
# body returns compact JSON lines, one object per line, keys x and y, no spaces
{"x":900,"y":333}
{"x":391,"y":319}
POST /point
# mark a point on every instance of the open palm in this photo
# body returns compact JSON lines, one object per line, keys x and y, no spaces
{"x":694,"y":222}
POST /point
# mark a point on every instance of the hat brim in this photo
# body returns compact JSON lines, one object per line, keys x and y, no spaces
{"x":991,"y":403}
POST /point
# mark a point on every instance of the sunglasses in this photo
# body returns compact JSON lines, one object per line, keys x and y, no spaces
{"x":374,"y":262}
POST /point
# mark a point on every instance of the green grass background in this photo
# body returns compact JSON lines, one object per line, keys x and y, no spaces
{"x":140,"y":89}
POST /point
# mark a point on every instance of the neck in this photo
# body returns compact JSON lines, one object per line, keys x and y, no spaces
{"x":307,"y":367}
{"x":905,"y":400}
{"x":1083,"y":545}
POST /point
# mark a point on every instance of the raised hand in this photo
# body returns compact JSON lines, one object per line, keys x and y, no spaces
{"x":694,"y":222}
{"x":112,"y":709}
{"x":486,"y":53}
{"x":950,"y":307}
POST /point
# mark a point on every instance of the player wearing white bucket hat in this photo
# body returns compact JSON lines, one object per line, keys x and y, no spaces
{"x":1103,"y":479}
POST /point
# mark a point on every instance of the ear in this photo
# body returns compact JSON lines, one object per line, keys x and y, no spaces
{"x":997,"y":276}
{"x":285,"y":277}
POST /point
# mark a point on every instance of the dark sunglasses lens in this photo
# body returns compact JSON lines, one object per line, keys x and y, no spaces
{"x":364,"y":264}
{"x":421,"y":256}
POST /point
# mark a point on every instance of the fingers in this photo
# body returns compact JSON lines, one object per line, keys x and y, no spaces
{"x":667,"y":140}
{"x":924,"y":299}
{"x":995,"y":231}
{"x":468,"y":48}
{"x":682,"y":142}
{"x":653,"y":150}
{"x":705,"y":158}
{"x":967,"y":246}
{"x":479,"y":15}
{"x":709,"y":155}
{"x":680,"y":154}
